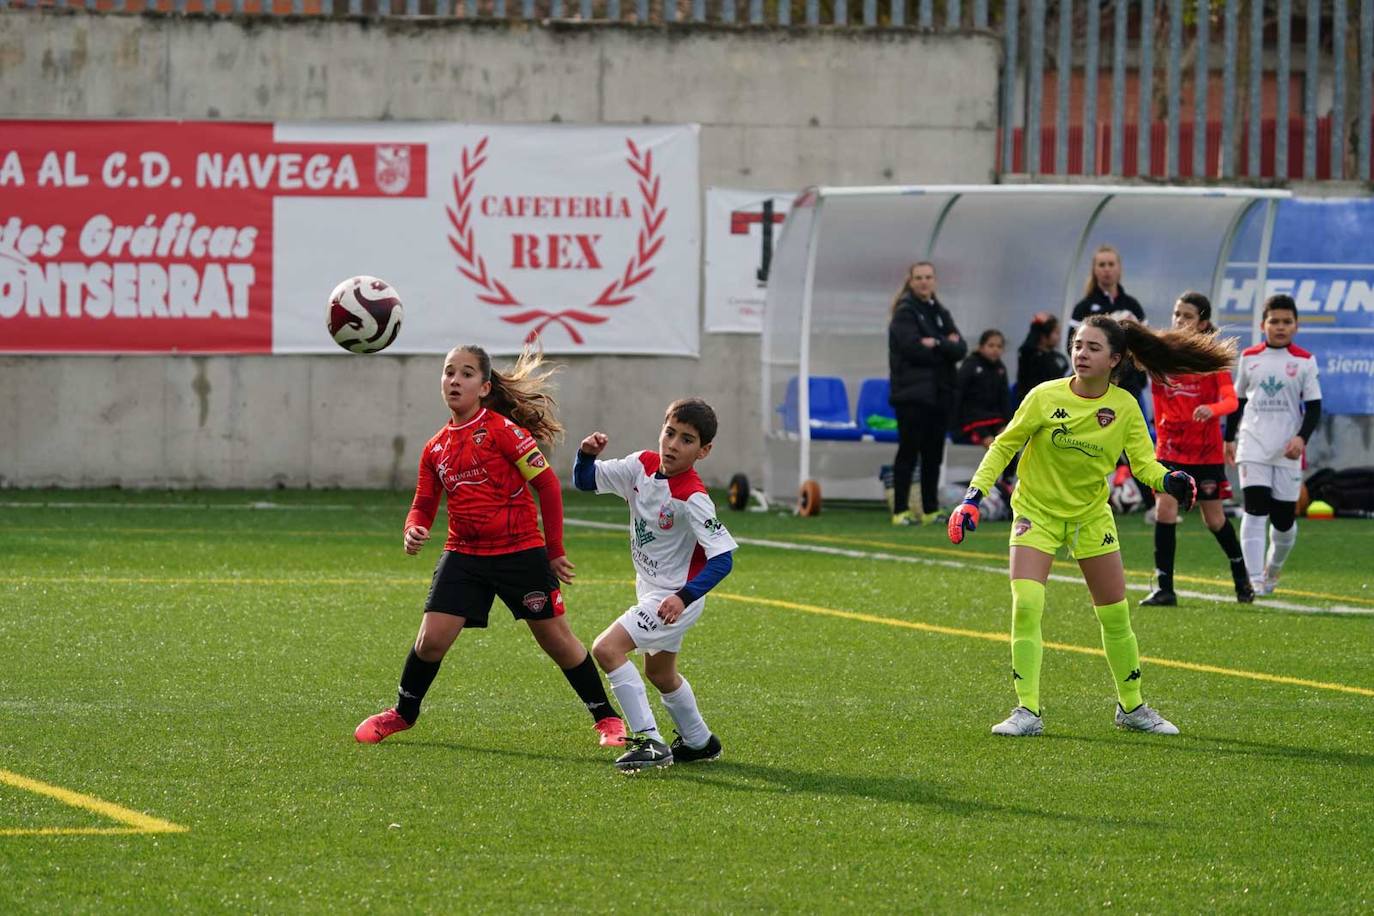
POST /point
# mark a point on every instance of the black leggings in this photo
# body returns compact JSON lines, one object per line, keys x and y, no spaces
{"x":920,"y":434}
{"x":1260,"y":501}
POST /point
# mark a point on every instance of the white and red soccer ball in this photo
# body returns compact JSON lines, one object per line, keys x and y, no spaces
{"x":364,"y":314}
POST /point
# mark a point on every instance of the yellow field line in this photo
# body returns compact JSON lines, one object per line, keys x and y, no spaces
{"x":1066,"y":647}
{"x":134,"y":821}
{"x":963,"y":554}
{"x":773,"y":602}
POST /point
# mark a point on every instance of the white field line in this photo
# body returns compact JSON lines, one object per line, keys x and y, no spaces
{"x":998,"y":570}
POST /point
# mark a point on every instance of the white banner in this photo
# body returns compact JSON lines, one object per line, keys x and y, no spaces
{"x":734,"y":256}
{"x":586,"y":238}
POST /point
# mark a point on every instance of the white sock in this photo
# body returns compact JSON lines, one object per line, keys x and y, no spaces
{"x":1252,"y":542}
{"x":634,"y":699}
{"x":1280,"y":545}
{"x":682,"y":706}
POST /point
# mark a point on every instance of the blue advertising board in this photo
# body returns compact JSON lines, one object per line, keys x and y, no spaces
{"x":1322,"y":254}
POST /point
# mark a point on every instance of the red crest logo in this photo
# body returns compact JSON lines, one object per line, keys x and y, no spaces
{"x":1021,"y":526}
{"x":665,"y":517}
{"x":480,"y":435}
{"x":534,"y":602}
{"x":1105,"y":416}
{"x":1291,"y":369}
{"x":537,"y":460}
{"x":393,"y":169}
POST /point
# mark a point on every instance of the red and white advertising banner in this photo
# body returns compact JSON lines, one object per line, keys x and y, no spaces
{"x":221,"y":237}
{"x":734,"y":256}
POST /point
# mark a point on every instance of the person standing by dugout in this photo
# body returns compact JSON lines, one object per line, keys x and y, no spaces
{"x":923,"y":349}
{"x":1103,"y":294}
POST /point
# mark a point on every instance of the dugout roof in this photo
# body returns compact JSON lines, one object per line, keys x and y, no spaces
{"x":1001,"y":252}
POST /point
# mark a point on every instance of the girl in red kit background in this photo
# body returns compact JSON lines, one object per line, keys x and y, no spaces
{"x":1188,"y":412}
{"x":484,"y":461}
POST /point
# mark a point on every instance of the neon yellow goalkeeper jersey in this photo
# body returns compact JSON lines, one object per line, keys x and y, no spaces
{"x":1072,"y":444}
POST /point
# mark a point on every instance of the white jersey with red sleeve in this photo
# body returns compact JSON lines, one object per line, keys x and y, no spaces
{"x":1274,"y":382}
{"x":673,"y":525}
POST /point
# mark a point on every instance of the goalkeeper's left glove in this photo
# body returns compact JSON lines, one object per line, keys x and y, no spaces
{"x":965,"y":518}
{"x":1181,"y":486}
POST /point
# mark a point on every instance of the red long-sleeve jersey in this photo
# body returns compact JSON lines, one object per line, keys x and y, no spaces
{"x":1180,"y":438}
{"x":482,"y":466}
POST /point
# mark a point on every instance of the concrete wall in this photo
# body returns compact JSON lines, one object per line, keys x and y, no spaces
{"x":778,"y":108}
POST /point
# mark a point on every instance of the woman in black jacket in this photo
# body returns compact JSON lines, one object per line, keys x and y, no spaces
{"x":1039,"y":359}
{"x":923,"y":347}
{"x":983,"y":401}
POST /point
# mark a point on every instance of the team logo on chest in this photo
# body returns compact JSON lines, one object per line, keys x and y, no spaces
{"x":480,"y":436}
{"x":665,"y":516}
{"x":1291,"y":369}
{"x":642,"y":533}
{"x":1105,"y":416}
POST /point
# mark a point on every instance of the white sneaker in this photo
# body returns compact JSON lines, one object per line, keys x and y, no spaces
{"x":1022,"y":723}
{"x":1144,"y":719}
{"x":1271,"y":579}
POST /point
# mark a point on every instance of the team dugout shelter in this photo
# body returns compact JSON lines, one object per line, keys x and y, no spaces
{"x":1001,"y":254}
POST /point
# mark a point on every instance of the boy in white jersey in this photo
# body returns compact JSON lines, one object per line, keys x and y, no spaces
{"x":1280,"y":404}
{"x":680,"y":551}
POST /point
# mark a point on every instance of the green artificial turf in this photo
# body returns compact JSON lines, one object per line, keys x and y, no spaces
{"x":203,"y":662}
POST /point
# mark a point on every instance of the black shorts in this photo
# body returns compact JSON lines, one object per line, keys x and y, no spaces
{"x":1212,"y":482}
{"x":465,"y":584}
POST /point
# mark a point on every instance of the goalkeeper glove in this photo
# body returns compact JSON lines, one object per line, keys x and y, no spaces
{"x":1181,"y":487}
{"x":965,"y":518}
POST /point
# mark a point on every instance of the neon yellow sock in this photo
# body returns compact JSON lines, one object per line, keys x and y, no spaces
{"x":1123,"y":654}
{"x":1027,"y":647}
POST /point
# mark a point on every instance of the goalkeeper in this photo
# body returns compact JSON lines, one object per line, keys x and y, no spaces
{"x":1073,"y":430}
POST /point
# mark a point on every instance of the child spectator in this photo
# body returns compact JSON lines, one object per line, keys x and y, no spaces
{"x":1039,"y":359}
{"x":983,"y":399}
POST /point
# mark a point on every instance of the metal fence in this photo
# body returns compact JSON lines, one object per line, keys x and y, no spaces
{"x":1244,"y":61}
{"x":1224,"y":108}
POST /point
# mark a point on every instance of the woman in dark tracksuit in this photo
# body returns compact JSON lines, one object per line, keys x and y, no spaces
{"x":923,"y":348}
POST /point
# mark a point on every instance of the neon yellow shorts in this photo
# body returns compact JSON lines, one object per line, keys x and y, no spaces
{"x":1088,"y":537}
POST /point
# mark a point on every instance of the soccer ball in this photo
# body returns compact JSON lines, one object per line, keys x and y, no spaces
{"x":364,"y":314}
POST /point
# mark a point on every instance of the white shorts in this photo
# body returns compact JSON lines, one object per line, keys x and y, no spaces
{"x":649,"y":633}
{"x":1284,"y":483}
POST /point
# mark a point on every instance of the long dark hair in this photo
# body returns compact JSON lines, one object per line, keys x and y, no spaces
{"x":1164,"y":353}
{"x":522,"y":393}
{"x":1204,"y":309}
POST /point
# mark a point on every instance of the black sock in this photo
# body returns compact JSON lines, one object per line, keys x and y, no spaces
{"x":587,"y":682}
{"x":1166,"y":539}
{"x":416,"y":677}
{"x":1226,"y":537}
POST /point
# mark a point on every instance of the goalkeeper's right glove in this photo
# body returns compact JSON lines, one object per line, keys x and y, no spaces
{"x":965,"y":518}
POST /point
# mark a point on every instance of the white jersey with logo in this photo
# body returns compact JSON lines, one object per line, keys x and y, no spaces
{"x":673,"y":524}
{"x":1273,"y":381}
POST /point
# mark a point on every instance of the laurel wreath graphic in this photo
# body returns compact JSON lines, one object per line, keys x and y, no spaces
{"x":619,"y":292}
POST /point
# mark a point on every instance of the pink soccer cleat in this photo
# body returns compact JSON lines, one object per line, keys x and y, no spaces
{"x":612,"y":731}
{"x":382,"y":725}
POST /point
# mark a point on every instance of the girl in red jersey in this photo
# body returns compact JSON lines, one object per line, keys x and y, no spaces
{"x":1188,"y":411}
{"x":484,"y":460}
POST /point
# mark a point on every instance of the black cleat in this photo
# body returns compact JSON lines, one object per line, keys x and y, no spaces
{"x":1160,"y":598}
{"x":1244,"y":593}
{"x":684,"y":754}
{"x":644,"y":753}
